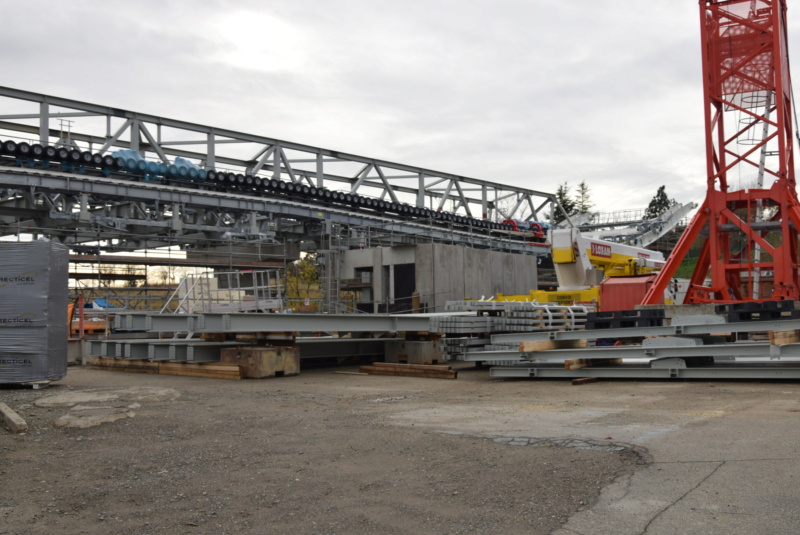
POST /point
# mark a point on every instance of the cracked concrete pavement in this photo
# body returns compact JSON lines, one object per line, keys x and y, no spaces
{"x":713,"y":457}
{"x":722,"y":456}
{"x":733,"y":474}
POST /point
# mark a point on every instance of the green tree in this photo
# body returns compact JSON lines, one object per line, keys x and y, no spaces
{"x":659,"y":204}
{"x":302,"y":278}
{"x":566,"y":202}
{"x":582,"y":201}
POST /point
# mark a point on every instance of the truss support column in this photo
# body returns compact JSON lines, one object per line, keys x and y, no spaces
{"x":44,"y":123}
{"x":210,"y":151}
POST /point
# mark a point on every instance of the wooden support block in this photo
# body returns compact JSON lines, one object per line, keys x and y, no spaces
{"x":546,"y":345}
{"x":778,"y":338}
{"x":585,"y":380}
{"x":577,"y":364}
{"x":215,"y":337}
{"x":261,"y":362}
{"x":414,"y":351}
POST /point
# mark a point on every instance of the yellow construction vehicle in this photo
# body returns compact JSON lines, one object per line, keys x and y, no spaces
{"x":583,"y":264}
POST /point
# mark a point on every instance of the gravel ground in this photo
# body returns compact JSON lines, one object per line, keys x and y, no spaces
{"x":320,"y":453}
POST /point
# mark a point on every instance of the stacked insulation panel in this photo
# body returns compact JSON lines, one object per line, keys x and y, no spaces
{"x":33,"y":311}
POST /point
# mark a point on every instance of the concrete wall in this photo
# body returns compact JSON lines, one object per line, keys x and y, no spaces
{"x":447,"y":272}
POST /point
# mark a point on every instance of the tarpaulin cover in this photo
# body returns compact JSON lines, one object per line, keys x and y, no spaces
{"x":33,"y":311}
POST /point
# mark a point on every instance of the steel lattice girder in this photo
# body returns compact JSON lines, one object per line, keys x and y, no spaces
{"x":87,"y":209}
{"x":159,"y":138}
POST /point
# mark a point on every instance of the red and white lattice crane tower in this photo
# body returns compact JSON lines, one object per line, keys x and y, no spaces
{"x":750,"y":235}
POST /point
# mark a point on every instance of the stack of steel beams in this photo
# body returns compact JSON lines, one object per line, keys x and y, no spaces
{"x":469,"y":335}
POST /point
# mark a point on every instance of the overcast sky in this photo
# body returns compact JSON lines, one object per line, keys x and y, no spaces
{"x":527,"y":92}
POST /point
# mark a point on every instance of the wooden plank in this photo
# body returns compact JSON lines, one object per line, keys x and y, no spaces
{"x":430,"y":374}
{"x":547,"y":345}
{"x":585,"y":380}
{"x":211,"y":370}
{"x":215,"y":371}
{"x":401,"y":366}
{"x":577,"y":364}
{"x":778,"y":338}
{"x":132,"y":366}
{"x":350,"y":373}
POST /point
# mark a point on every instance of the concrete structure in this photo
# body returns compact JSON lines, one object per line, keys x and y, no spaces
{"x":437,"y":272}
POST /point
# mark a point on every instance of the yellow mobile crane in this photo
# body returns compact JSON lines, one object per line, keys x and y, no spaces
{"x":583,"y":264}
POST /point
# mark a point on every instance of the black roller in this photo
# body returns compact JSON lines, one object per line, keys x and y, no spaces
{"x":62,"y":154}
{"x":97,"y":160}
{"x":50,"y":153}
{"x":74,"y":156}
{"x":109,"y":162}
{"x":86,"y":158}
{"x":258,"y":182}
{"x":9,"y":147}
{"x":305,"y":190}
{"x":24,"y":150}
{"x":37,"y":151}
{"x":313,"y":191}
{"x":349,"y":199}
{"x":249,"y":181}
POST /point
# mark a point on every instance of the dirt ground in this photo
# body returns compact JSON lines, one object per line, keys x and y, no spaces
{"x":319,"y":453}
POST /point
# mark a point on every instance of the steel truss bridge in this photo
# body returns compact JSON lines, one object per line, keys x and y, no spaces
{"x":58,"y":179}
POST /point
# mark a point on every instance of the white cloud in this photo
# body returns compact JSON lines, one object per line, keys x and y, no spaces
{"x":529,"y":92}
